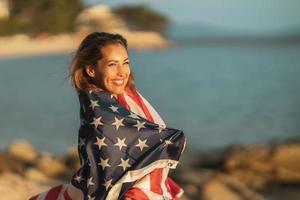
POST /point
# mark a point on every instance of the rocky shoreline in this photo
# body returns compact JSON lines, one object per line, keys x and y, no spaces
{"x":249,"y":172}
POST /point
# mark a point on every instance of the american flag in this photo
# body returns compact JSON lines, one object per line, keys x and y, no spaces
{"x":122,"y":142}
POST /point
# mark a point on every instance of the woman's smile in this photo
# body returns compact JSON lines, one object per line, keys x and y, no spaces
{"x":118,"y":82}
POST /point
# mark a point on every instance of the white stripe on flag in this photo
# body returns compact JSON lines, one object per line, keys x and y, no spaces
{"x":156,"y":117}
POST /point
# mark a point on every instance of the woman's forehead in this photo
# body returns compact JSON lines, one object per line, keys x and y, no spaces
{"x":114,"y":53}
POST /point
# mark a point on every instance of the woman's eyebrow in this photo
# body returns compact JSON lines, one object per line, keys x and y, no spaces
{"x":116,"y":60}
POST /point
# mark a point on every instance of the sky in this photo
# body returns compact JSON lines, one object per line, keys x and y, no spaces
{"x":254,"y":15}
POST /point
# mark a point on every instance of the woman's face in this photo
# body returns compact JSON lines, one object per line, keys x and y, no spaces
{"x":112,"y":71}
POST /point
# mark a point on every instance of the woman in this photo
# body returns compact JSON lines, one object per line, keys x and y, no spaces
{"x":125,"y":148}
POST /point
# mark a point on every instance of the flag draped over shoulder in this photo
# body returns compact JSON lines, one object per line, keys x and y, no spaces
{"x":122,"y":143}
{"x":117,"y":147}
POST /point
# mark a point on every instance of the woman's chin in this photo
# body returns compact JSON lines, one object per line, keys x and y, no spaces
{"x":117,"y":91}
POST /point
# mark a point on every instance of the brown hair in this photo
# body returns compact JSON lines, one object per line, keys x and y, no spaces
{"x":88,"y":53}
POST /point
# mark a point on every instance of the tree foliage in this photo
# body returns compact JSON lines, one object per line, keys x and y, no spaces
{"x":33,"y":17}
{"x":142,"y":17}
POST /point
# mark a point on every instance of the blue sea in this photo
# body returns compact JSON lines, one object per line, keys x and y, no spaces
{"x":217,"y":93}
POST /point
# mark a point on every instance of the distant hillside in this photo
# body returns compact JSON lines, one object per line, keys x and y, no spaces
{"x":203,"y":34}
{"x":34,"y":17}
{"x":205,"y":30}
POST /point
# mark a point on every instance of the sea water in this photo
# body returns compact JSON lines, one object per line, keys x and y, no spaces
{"x":218,"y":94}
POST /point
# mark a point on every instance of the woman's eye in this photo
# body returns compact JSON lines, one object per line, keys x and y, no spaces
{"x":112,"y":64}
{"x":127,"y":63}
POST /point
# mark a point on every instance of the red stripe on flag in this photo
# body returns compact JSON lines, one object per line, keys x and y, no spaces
{"x":53,"y":193}
{"x":122,"y":101}
{"x":136,"y":194}
{"x":131,"y":92}
{"x":172,"y":187}
{"x":66,"y":195}
{"x":155,"y":181}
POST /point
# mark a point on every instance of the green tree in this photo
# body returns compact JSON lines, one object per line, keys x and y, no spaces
{"x":33,"y":17}
{"x":142,"y":17}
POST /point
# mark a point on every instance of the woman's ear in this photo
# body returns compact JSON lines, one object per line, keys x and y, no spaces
{"x":90,"y":71}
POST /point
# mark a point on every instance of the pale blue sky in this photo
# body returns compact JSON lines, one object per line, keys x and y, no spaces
{"x":255,"y":15}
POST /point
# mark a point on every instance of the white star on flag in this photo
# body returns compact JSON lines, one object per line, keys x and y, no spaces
{"x":132,"y":115}
{"x":81,"y":142}
{"x":96,"y":121}
{"x":124,"y":163}
{"x":100,"y":142}
{"x":78,"y":178}
{"x":118,"y":123}
{"x":139,"y":125}
{"x":107,"y":184}
{"x":93,"y":104}
{"x":161,"y":128}
{"x":90,"y":182}
{"x":167,"y":142}
{"x":114,"y":108}
{"x":104,"y":163}
{"x":142,"y":144}
{"x":121,"y":143}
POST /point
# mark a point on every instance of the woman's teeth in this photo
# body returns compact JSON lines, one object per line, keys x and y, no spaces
{"x":118,"y":82}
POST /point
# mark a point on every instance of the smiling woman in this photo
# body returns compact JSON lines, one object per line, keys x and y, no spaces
{"x":101,"y":63}
{"x":124,"y":146}
{"x":112,"y":72}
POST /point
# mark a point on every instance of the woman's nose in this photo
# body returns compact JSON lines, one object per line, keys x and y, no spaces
{"x":121,"y":72}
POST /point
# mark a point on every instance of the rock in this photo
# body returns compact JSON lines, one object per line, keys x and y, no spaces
{"x":51,"y":166}
{"x":251,"y":164}
{"x":35,"y":175}
{"x":286,"y":161}
{"x":71,"y":159}
{"x":192,"y":191}
{"x":197,"y":177}
{"x":23,"y":150}
{"x":216,"y":190}
{"x":284,"y":175}
{"x":15,"y":187}
{"x":10,"y":163}
{"x":239,"y":187}
{"x":250,"y":178}
{"x":256,"y":158}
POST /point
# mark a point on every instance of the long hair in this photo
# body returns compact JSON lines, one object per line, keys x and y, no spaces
{"x":88,"y":54}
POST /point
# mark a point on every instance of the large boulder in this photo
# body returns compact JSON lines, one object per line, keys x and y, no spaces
{"x":286,"y":161}
{"x":23,"y":150}
{"x":10,"y":163}
{"x":15,"y":187}
{"x":35,"y":175}
{"x":51,"y":166}
{"x":216,"y":190}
